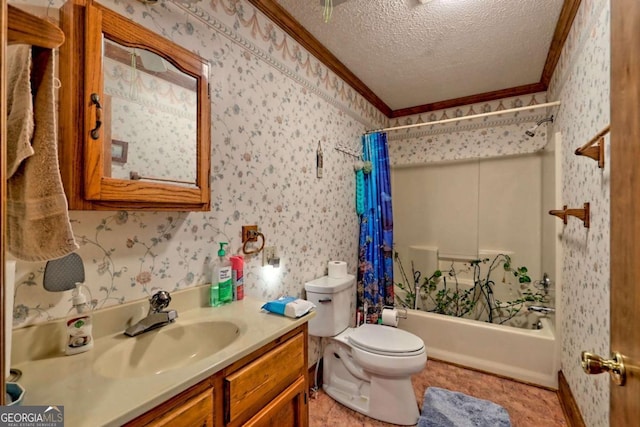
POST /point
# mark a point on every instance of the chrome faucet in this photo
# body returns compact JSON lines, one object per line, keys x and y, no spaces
{"x":156,"y":317}
{"x":541,"y":309}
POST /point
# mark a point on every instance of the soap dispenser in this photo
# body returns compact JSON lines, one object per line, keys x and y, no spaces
{"x":78,"y":324}
{"x":225,"y":276}
{"x":221,"y":290}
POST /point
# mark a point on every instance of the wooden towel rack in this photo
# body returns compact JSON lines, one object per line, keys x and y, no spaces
{"x":594,"y":149}
{"x":26,"y":28}
{"x":42,"y":35}
{"x":582,"y":214}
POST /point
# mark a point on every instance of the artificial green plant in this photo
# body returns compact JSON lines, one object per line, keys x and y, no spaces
{"x":450,"y":299}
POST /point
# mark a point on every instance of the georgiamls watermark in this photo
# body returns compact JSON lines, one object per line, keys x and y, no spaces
{"x":31,"y":416}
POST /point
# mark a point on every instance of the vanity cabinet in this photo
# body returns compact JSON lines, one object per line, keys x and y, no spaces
{"x":134,"y":122}
{"x":265,"y":388}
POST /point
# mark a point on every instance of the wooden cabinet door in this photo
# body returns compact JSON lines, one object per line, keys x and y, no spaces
{"x":191,"y":408}
{"x":289,"y":408}
{"x":97,"y":36}
{"x":260,"y":382}
{"x":197,"y":412}
{"x":625,"y":222}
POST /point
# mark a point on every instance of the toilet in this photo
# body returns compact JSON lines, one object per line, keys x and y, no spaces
{"x":368,"y":368}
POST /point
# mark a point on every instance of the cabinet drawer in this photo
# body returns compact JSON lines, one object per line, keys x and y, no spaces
{"x":197,"y":412}
{"x":256,"y":384}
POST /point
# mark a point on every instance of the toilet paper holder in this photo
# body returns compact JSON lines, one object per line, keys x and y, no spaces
{"x":401,"y":311}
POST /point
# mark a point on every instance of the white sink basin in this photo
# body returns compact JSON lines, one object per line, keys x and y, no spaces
{"x":163,"y":349}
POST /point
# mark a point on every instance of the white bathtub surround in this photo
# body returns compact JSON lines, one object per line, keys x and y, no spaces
{"x":420,"y":263}
{"x":522,"y":354}
{"x":472,"y":208}
{"x":424,"y":258}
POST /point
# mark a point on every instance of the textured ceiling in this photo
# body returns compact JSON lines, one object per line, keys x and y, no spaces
{"x":411,"y":54}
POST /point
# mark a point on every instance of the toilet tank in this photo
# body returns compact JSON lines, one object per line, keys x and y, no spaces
{"x":332,"y":297}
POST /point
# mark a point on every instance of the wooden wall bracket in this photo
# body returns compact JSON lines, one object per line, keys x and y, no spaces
{"x":582,"y":214}
{"x":594,"y":149}
{"x":29,"y":29}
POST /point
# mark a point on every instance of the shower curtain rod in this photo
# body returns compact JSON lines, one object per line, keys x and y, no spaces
{"x":474,"y":116}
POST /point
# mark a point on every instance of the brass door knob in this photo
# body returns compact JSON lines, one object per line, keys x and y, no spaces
{"x":593,"y":364}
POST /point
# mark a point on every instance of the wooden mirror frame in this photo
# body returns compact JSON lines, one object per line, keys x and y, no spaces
{"x":82,"y":158}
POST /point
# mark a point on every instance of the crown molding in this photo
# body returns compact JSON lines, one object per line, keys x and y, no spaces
{"x":291,"y":26}
{"x":288,"y":23}
{"x":471,"y":99}
{"x":565,"y":21}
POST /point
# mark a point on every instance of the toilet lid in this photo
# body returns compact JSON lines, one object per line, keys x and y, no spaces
{"x":385,"y":339}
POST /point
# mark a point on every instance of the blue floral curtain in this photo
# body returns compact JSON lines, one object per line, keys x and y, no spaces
{"x":375,"y":259}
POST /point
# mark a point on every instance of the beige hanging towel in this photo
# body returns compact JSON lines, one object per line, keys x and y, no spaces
{"x":19,"y":106}
{"x":37,"y":216}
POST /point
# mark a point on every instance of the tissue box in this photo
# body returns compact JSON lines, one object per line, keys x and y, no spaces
{"x":289,"y":306}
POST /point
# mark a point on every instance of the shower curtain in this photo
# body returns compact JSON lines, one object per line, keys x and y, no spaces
{"x":375,"y":259}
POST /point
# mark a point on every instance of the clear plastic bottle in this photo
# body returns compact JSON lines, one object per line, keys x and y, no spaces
{"x":79,"y":324}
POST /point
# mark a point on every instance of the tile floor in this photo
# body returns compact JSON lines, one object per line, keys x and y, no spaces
{"x":528,"y":406}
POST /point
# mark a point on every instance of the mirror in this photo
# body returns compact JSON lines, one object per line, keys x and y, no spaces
{"x":150,"y":115}
{"x":145,"y":140}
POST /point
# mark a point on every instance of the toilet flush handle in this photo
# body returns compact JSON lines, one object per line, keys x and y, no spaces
{"x":324,"y":300}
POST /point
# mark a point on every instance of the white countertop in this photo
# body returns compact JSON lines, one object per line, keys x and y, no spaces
{"x":90,"y":399}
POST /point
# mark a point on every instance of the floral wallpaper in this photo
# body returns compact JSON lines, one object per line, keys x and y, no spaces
{"x":582,"y":83}
{"x":271,"y":106}
{"x":157,"y":120}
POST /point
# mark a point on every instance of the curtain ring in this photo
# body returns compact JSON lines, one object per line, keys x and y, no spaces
{"x":244,"y":245}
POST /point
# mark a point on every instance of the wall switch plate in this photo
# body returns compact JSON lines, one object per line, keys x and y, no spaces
{"x":270,"y":256}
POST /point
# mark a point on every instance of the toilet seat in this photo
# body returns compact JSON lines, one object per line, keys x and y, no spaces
{"x":386,"y":341}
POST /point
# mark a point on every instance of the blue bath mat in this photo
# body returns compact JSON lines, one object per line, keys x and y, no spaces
{"x":444,"y":408}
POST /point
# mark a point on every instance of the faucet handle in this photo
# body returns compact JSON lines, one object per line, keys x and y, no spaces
{"x":541,"y":309}
{"x":544,"y":284}
{"x":160,"y":300}
{"x":172,"y":315}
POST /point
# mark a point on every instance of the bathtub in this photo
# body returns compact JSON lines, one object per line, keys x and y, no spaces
{"x":526,"y":355}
